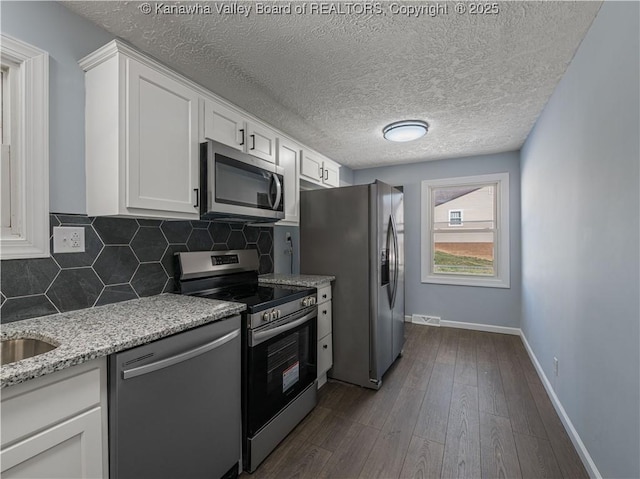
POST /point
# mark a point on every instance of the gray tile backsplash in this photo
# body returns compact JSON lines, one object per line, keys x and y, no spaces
{"x":123,"y":259}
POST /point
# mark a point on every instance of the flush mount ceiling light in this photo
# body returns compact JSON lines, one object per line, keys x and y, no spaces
{"x":406,"y":130}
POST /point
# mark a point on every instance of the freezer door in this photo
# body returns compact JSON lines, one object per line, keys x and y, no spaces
{"x":381,"y":348}
{"x":334,"y":240}
{"x":397,"y":204}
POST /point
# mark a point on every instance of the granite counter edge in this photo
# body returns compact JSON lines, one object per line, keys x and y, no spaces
{"x":44,"y":366}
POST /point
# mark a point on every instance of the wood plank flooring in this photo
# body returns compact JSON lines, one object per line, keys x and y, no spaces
{"x":458,"y":403}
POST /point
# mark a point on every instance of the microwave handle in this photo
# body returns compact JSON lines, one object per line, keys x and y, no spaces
{"x":276,"y":203}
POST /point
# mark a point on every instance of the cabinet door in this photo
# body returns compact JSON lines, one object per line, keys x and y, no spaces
{"x":331,"y":175}
{"x":325,"y":354}
{"x":261,"y":142}
{"x":289,"y":159}
{"x":163,"y":150}
{"x":311,"y":168}
{"x":324,"y":319}
{"x":224,"y":125}
{"x":70,"y":449}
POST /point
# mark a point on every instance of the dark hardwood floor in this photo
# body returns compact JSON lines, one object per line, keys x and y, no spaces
{"x":458,"y":404}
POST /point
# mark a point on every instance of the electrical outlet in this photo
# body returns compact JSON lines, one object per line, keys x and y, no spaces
{"x":555,"y":365}
{"x":289,"y":248}
{"x":68,"y":239}
{"x":424,"y":319}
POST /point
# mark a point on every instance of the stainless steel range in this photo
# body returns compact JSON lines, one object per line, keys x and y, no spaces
{"x":278,"y":343}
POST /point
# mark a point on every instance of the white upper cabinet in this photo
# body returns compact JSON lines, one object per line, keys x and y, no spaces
{"x":143,"y":127}
{"x":331,"y":174}
{"x":261,"y":142}
{"x":163,"y":167}
{"x":142,"y":150}
{"x":319,"y":170}
{"x":224,"y":125}
{"x":289,"y":159}
{"x":228,"y":126}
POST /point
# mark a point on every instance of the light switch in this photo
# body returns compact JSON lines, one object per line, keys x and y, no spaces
{"x":67,"y":239}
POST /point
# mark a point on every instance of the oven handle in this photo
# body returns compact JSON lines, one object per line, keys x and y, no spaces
{"x":262,"y":336}
{"x":178,"y":358}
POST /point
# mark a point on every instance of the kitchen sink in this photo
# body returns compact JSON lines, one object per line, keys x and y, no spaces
{"x":13,"y":350}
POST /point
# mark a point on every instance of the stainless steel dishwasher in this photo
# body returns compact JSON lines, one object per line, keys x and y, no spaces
{"x":174,"y":406}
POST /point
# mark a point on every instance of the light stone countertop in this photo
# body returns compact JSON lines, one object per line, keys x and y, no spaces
{"x":309,"y":280}
{"x":87,"y":334}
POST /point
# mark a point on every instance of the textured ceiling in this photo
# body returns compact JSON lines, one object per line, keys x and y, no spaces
{"x":333,"y":81}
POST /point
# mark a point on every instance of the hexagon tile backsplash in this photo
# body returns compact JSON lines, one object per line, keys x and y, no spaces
{"x":123,"y":259}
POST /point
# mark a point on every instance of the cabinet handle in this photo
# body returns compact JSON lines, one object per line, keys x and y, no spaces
{"x":324,"y":296}
{"x":242,"y":133}
{"x":321,"y":172}
{"x":325,"y":346}
{"x":326,"y":177}
{"x":197,"y":191}
{"x":253,"y":141}
{"x":324,"y":311}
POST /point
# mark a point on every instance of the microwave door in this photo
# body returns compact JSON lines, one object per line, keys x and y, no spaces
{"x":242,"y":187}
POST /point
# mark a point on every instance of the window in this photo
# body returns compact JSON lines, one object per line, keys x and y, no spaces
{"x":24,"y":173}
{"x":465,"y":231}
{"x":455,"y":217}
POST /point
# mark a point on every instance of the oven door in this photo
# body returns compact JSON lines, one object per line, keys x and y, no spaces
{"x":280,"y":364}
{"x":238,"y":184}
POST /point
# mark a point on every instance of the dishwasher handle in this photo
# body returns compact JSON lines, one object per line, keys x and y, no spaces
{"x":178,"y":358}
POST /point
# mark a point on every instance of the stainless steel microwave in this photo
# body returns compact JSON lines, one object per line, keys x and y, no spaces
{"x":239,"y":187}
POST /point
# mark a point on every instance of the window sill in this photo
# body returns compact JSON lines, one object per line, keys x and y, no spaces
{"x":467,"y":281}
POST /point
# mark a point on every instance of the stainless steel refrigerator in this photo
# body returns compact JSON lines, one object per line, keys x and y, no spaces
{"x":356,"y":234}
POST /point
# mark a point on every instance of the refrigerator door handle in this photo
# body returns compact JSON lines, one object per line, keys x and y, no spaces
{"x":390,"y":274}
{"x":393,"y":229}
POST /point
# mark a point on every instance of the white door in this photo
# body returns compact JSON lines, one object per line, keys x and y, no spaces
{"x":224,"y":125}
{"x":163,"y":148}
{"x":72,"y":449}
{"x":289,"y":159}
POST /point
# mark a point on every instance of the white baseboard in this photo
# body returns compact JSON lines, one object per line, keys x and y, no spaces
{"x":481,"y":327}
{"x":407,"y":318}
{"x":568,"y":425}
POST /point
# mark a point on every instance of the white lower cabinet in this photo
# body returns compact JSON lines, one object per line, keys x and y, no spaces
{"x":325,"y":338}
{"x":325,"y":356}
{"x":56,"y":426}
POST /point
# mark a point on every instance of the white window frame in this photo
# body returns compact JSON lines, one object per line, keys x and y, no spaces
{"x":501,"y":245}
{"x":28,"y":236}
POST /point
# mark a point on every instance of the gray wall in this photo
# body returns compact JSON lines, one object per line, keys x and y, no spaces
{"x":346,"y":176}
{"x":67,"y":38}
{"x":281,"y":259}
{"x":493,"y":306}
{"x":580,"y":230}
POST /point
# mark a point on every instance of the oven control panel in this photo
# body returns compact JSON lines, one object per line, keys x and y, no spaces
{"x":281,"y":311}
